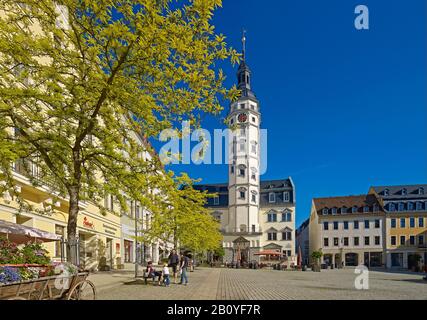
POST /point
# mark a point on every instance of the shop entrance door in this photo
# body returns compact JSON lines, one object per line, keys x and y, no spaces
{"x":109,"y":252}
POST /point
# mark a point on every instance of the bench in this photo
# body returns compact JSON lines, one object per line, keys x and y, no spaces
{"x":146,"y":276}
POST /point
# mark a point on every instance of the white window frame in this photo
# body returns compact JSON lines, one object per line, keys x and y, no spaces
{"x":286,"y":196}
{"x":271,"y":196}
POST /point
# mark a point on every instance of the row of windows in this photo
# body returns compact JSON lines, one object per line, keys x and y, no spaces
{"x":356,"y":223}
{"x":412,"y":222}
{"x":406,"y":206}
{"x":243,"y":106}
{"x":286,"y":217}
{"x":345,"y":241}
{"x":242,"y":171}
{"x":402,"y":240}
{"x":354,"y":209}
{"x":272,"y":197}
{"x":404,"y":191}
{"x":286,"y":236}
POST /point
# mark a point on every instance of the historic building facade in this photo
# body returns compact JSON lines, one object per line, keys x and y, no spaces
{"x":255,"y":215}
{"x":406,"y":224}
{"x":349,"y":230}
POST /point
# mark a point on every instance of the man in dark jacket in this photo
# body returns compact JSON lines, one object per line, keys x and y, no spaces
{"x":173,"y":262}
{"x":183,"y":267}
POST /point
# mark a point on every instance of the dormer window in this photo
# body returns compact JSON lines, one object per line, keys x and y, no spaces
{"x":410,"y":206}
{"x":375,"y":208}
{"x":325,"y":211}
{"x":421,"y":190}
{"x":419,"y":206}
{"x":391,"y":207}
{"x":271,"y":197}
{"x":366,"y":209}
{"x":334,"y":210}
{"x":286,"y":197}
{"x":401,"y":206}
{"x":216,"y":200}
{"x":404,"y":192}
{"x":386,"y":192}
{"x":354,"y":209}
{"x":343,"y":210}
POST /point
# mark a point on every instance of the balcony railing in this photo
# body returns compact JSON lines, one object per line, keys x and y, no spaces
{"x":29,"y":169}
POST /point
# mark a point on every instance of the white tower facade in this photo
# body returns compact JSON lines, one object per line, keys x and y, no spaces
{"x":244,"y":165}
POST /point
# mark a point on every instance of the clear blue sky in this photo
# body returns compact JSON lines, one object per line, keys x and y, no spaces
{"x":344,"y":109}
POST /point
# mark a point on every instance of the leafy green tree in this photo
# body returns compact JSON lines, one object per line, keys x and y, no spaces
{"x":184,"y":220}
{"x":79,"y":78}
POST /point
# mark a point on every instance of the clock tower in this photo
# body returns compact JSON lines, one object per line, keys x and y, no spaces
{"x":244,"y":163}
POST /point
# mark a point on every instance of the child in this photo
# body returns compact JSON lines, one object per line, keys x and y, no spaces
{"x":166,"y":279}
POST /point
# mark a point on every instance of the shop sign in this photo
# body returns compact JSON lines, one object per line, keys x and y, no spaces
{"x":87,"y":223}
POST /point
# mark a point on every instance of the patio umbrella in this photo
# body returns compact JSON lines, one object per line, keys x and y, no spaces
{"x":20,"y":234}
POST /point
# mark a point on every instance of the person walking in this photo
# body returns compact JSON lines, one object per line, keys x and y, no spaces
{"x":183,"y":268}
{"x":173,"y":262}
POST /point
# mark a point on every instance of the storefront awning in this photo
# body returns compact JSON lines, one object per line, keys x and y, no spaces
{"x":268,"y":253}
{"x":19,"y":233}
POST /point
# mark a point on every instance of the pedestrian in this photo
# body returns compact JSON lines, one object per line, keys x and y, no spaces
{"x":183,"y":268}
{"x":152,"y":273}
{"x":173,"y":262}
{"x":166,"y":278}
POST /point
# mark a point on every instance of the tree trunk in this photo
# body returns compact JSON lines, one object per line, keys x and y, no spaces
{"x":72,"y":243}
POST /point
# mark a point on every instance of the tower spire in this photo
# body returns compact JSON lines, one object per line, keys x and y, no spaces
{"x":243,"y":44}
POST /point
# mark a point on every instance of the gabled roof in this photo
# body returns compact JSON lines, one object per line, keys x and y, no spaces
{"x":359,"y":201}
{"x":395,"y":192}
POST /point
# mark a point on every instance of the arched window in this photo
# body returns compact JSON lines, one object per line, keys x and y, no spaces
{"x":253,"y":173}
{"x":242,"y":193}
{"x":254,"y":196}
{"x":242,"y":170}
{"x":254,"y":147}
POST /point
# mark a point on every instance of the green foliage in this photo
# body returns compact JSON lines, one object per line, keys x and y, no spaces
{"x":316,"y":255}
{"x":184,"y":219}
{"x":34,"y":253}
{"x":76,"y":97}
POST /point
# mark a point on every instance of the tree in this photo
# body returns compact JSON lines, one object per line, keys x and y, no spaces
{"x":184,"y":220}
{"x":79,"y":78}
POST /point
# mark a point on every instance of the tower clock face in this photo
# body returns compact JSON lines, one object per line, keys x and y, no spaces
{"x":242,"y":117}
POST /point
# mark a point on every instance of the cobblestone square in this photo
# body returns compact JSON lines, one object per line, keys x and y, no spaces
{"x":241,"y":284}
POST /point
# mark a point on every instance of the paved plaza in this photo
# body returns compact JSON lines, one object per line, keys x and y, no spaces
{"x":242,"y":284}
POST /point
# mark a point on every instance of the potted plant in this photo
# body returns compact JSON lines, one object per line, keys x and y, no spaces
{"x":316,"y":256}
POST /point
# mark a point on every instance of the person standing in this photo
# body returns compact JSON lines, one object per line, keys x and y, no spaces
{"x":166,"y":279}
{"x":173,"y":262}
{"x":183,"y":268}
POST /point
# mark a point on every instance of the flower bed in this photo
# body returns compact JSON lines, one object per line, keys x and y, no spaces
{"x":31,"y":261}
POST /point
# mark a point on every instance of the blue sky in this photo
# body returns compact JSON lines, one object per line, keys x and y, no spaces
{"x":345,"y":109}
